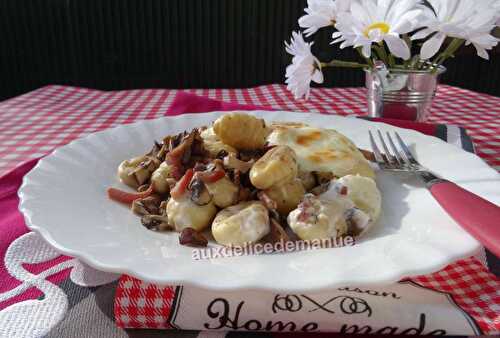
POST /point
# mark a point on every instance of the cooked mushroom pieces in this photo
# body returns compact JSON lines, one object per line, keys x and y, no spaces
{"x":183,"y":213}
{"x":147,"y":206}
{"x":191,"y":237}
{"x":276,"y":232}
{"x":241,"y":224}
{"x":308,"y":179}
{"x":152,"y":212}
{"x":199,"y":192}
{"x":156,"y":222}
{"x":232,"y":162}
{"x":137,"y":171}
{"x":184,"y":150}
{"x":277,"y":166}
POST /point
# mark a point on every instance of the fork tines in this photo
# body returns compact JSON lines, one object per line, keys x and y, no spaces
{"x":393,"y":157}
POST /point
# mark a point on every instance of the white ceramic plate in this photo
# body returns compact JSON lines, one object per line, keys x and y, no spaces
{"x":64,"y":199}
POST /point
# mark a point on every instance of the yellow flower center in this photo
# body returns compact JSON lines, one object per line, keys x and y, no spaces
{"x":384,"y":28}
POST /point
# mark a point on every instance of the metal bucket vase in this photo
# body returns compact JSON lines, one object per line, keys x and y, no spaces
{"x":401,"y":93}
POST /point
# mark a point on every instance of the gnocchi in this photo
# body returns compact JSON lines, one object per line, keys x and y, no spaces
{"x":276,"y":167}
{"x":287,"y":196}
{"x":320,"y":218}
{"x":159,"y":178}
{"x":224,"y":192}
{"x":363,"y":192}
{"x":244,"y":223}
{"x":213,"y":144}
{"x":241,"y":131}
{"x":184,"y":213}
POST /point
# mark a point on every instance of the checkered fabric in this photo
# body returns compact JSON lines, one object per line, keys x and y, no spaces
{"x":467,"y":281}
{"x":33,"y":124}
{"x":143,"y":305}
{"x":472,"y":287}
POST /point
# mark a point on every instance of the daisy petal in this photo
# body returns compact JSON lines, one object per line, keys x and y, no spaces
{"x":432,"y":46}
{"x":336,"y":35}
{"x":481,"y":52}
{"x":421,"y":34}
{"x":317,"y":76}
{"x":397,"y":46}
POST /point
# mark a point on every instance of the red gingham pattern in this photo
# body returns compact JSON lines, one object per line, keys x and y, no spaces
{"x":467,"y":281}
{"x":33,"y":124}
{"x":473,"y":288}
{"x":142,"y":305}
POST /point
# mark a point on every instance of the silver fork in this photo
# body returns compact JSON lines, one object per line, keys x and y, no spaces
{"x":476,"y":215}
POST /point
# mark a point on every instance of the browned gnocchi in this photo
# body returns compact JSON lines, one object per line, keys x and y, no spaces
{"x":241,"y":131}
{"x":277,"y":166}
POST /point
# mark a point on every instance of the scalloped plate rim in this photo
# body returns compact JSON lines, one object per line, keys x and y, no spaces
{"x":97,"y":263}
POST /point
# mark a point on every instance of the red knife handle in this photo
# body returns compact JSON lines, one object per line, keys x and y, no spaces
{"x":477,"y":216}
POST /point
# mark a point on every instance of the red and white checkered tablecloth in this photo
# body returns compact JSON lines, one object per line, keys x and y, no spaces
{"x":140,"y":304}
{"x":33,"y":124}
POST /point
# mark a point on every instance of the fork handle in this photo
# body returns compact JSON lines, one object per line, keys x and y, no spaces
{"x":477,"y":216}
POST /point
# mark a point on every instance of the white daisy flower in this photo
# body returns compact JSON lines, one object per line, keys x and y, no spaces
{"x":469,"y":20}
{"x":496,"y":5}
{"x":322,"y":13}
{"x":370,"y":21}
{"x":305,"y":67}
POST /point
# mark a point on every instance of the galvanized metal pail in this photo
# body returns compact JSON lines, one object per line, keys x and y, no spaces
{"x":401,"y":93}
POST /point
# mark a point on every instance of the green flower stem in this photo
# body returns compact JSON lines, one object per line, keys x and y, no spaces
{"x":454,"y":45}
{"x":409,"y":43}
{"x":344,"y":64}
{"x":368,"y":60}
{"x":382,"y":54}
{"x":392,"y":61}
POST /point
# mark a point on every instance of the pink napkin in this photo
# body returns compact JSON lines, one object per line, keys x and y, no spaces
{"x":190,"y":103}
{"x":11,"y":227}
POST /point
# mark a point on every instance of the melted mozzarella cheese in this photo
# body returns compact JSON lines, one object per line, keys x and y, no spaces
{"x":322,"y":150}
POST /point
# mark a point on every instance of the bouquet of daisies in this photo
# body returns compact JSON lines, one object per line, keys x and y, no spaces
{"x":387,"y":31}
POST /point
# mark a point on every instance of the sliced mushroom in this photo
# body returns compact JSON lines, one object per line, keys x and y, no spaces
{"x":276,"y":232}
{"x":323,"y":176}
{"x":270,"y":204}
{"x":147,"y":206}
{"x":156,"y":222}
{"x":155,"y":150}
{"x":249,"y":155}
{"x":357,"y":221}
{"x":191,"y":237}
{"x":232,"y":162}
{"x":199,"y":193}
{"x":268,"y":201}
{"x":142,"y":173}
{"x":320,"y":189}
